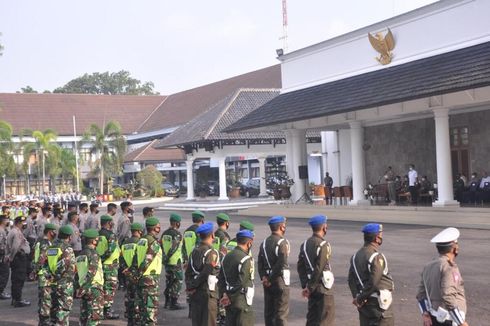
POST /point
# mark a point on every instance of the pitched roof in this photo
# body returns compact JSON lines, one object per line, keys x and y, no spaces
{"x":148,"y":153}
{"x":181,"y":107}
{"x":445,"y":73}
{"x":56,"y":111}
{"x":209,"y":124}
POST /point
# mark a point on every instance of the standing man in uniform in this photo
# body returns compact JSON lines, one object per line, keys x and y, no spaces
{"x":441,"y":294}
{"x":244,"y":225}
{"x":4,"y":266}
{"x":201,"y":277}
{"x":108,"y":250}
{"x":149,"y":259}
{"x":90,"y":281}
{"x":93,"y":220}
{"x":75,"y":239}
{"x":124,"y":232}
{"x":370,"y":281}
{"x":221,"y":236}
{"x":172,"y":249}
{"x":413,"y":180}
{"x":128,"y":268}
{"x":82,"y":216}
{"x":315,"y":274}
{"x":274,"y":272}
{"x":236,"y":282}
{"x":45,"y":297}
{"x":17,"y":252}
{"x":60,"y":272}
{"x":390,"y":180}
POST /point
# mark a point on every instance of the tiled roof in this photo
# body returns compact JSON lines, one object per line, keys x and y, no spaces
{"x":209,"y":125}
{"x":441,"y":74}
{"x":148,"y":153}
{"x":181,"y":107}
{"x":56,"y":111}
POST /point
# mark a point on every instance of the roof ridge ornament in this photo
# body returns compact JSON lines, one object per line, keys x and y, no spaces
{"x":383,"y":45}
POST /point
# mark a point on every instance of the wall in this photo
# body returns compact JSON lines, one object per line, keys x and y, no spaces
{"x":399,"y":144}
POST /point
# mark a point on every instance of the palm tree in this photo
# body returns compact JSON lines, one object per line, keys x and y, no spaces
{"x":7,"y":163}
{"x":46,"y":150}
{"x":67,"y":164}
{"x":109,"y":147}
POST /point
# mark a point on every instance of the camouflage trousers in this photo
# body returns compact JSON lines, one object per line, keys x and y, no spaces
{"x":132,"y":312}
{"x":148,"y":291}
{"x":45,"y":302}
{"x":110,"y":284}
{"x":62,"y":302}
{"x":173,"y":280}
{"x":92,"y":306}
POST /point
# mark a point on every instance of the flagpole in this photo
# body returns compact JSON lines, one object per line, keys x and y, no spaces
{"x":76,"y":154}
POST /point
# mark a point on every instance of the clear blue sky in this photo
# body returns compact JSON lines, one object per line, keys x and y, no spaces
{"x":176,"y":44}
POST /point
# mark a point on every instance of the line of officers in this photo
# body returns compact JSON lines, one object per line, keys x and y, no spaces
{"x":219,"y":274}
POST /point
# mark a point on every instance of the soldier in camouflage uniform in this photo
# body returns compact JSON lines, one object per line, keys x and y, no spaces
{"x":44,"y":286}
{"x":108,"y":250}
{"x":149,"y":259}
{"x":244,"y":225}
{"x":129,"y":270}
{"x":60,"y":272}
{"x":221,"y":238}
{"x":172,"y":249}
{"x":201,"y":277}
{"x":91,"y":281}
{"x":236,"y":282}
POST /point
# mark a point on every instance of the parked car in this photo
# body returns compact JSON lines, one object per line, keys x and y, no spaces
{"x":251,"y":188}
{"x":171,"y":190}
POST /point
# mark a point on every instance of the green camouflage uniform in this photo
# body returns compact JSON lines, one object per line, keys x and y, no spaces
{"x":149,"y":280}
{"x":44,"y":286}
{"x":110,"y":267}
{"x":173,"y":264}
{"x":92,"y":290}
{"x":62,"y":281}
{"x":131,"y":313}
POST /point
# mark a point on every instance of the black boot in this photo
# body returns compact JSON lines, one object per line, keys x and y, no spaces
{"x":21,"y":303}
{"x":174,"y":305}
{"x":167,"y":301}
{"x":109,"y":314}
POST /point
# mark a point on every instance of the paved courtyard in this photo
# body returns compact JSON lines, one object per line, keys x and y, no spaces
{"x":407,"y":249}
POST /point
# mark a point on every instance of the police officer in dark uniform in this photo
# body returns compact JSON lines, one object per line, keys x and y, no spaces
{"x":316,"y":276}
{"x":274,"y":272}
{"x":201,"y":278}
{"x":18,"y":250}
{"x":236,"y":282}
{"x":370,"y":281}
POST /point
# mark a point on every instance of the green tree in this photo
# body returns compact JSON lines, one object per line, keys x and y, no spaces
{"x":47,"y":152}
{"x":107,"y":83}
{"x":27,"y":89}
{"x":68,"y":166}
{"x":150,"y":178}
{"x":7,"y":163}
{"x":109,"y":147}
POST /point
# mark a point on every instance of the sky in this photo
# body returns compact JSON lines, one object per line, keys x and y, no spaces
{"x":177,"y":45}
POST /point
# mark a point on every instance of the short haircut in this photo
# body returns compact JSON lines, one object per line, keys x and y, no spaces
{"x":242,"y":240}
{"x":125,"y":204}
{"x":46,"y":231}
{"x":274,"y":227}
{"x":197,"y":218}
{"x":147,"y":210}
{"x":317,"y":228}
{"x":4,"y":208}
{"x":83,"y":205}
{"x":444,"y":249}
{"x":204,"y":236}
{"x":93,"y":206}
{"x":221,"y":222}
{"x":369,"y":237}
{"x":3,"y":218}
{"x":57,"y":212}
{"x":62,"y":236}
{"x":111,"y":206}
{"x":71,"y":215}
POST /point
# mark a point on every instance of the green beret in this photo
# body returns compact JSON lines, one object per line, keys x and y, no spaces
{"x":197,"y":214}
{"x":136,"y":227}
{"x":50,"y":226}
{"x":105,"y":218}
{"x":174,"y":217}
{"x":222,"y":217}
{"x":90,"y":233}
{"x":246,"y":225}
{"x":66,"y":230}
{"x":152,"y":221}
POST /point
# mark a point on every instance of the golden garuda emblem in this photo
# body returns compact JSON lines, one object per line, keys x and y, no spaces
{"x":384,"y":45}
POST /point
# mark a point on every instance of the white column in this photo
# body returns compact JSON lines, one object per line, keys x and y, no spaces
{"x":190,"y":178}
{"x":263,"y":185}
{"x":324,"y":166}
{"x":443,"y":160}
{"x":358,"y":177}
{"x":222,"y":179}
{"x":333,"y":157}
{"x":297,"y":152}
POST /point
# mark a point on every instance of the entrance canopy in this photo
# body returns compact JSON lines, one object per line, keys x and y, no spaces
{"x":459,"y":70}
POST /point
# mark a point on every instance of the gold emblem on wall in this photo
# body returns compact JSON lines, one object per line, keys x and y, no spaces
{"x":383,"y":45}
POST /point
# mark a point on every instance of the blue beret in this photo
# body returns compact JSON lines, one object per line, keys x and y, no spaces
{"x":372,"y":228}
{"x":318,"y":220}
{"x":205,"y":228}
{"x":276,"y":219}
{"x":245,"y":234}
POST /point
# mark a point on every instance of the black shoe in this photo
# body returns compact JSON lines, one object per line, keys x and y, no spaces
{"x":167,"y":302}
{"x":174,"y":305}
{"x":5,"y":296}
{"x":21,"y":303}
{"x":110,"y":315}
